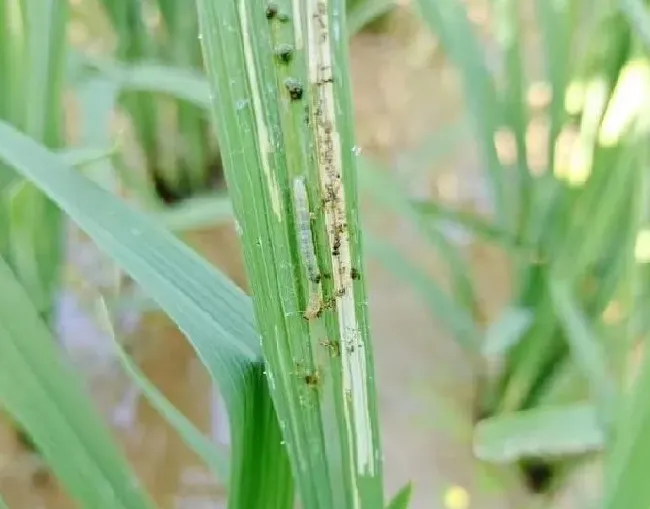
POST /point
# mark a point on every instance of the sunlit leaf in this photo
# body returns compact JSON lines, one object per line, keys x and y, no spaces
{"x":540,"y":432}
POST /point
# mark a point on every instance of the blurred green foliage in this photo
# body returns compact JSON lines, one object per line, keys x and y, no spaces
{"x":574,"y":230}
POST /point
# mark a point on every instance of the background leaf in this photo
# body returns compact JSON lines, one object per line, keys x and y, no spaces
{"x":539,"y":432}
{"x":214,"y":458}
{"x":507,"y":330}
{"x":46,"y":400}
{"x":402,"y":498}
{"x":214,"y":314}
{"x":586,"y":350}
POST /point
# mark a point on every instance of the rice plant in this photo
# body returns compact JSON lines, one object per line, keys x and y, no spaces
{"x":33,"y":53}
{"x":558,"y":344}
{"x":294,"y":361}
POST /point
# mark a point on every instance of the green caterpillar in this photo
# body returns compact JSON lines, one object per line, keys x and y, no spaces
{"x":306,"y":246}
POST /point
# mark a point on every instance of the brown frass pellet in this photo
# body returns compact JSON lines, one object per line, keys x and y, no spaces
{"x":294,"y":88}
{"x":271,"y":11}
{"x":284,"y":52}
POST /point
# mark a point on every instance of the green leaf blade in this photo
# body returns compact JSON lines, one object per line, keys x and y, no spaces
{"x":545,"y":431}
{"x":214,"y":314}
{"x":402,"y":497}
{"x":586,"y":350}
{"x":45,"y":399}
{"x":507,"y":330}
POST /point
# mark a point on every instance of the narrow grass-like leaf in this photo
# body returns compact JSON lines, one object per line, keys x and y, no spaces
{"x":182,"y":83}
{"x":402,"y":498}
{"x":507,"y":330}
{"x":195,"y":213}
{"x":587,"y":351}
{"x":134,"y":44}
{"x":528,"y":361}
{"x":478,"y":227}
{"x":185,"y":84}
{"x":283,"y":114}
{"x":97,"y":98}
{"x":624,"y":487}
{"x":76,"y":195}
{"x":214,"y":458}
{"x":214,"y":314}
{"x":555,"y":24}
{"x":627,"y":457}
{"x":83,"y":155}
{"x":637,"y":265}
{"x":45,"y":399}
{"x":541,"y":432}
{"x":3,"y":504}
{"x":26,"y":206}
{"x":246,"y":138}
{"x":554,"y":20}
{"x":194,"y":152}
{"x":636,"y":12}
{"x":604,"y":201}
{"x":509,"y":36}
{"x":449,"y":21}
{"x":35,"y":37}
